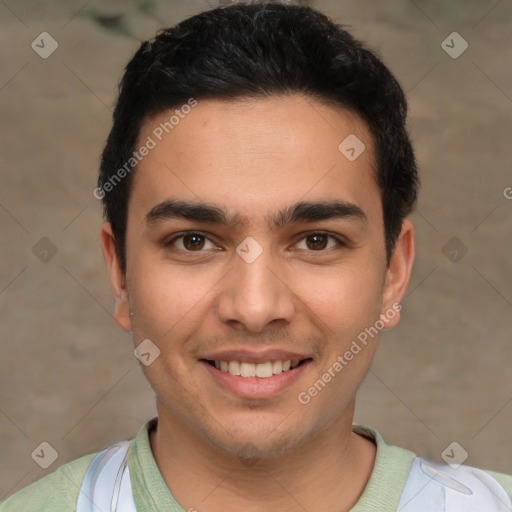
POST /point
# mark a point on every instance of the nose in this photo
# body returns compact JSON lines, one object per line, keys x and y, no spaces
{"x":255,"y":294}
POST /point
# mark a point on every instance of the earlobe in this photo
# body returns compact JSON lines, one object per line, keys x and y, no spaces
{"x":397,"y":275}
{"x":117,"y":278}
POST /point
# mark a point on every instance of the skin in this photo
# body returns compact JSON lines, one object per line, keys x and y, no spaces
{"x":252,"y":158}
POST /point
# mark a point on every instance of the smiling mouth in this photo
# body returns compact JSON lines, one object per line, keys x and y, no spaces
{"x":260,"y":370}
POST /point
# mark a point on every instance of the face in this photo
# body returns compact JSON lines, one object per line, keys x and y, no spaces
{"x":255,"y":257}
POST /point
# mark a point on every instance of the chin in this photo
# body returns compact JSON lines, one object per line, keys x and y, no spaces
{"x":252,"y":451}
{"x":258,"y":449}
{"x":256,"y":444}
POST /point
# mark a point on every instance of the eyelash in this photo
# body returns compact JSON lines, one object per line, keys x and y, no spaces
{"x":339,"y":241}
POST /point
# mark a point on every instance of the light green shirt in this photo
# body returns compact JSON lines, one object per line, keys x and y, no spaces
{"x":58,"y":491}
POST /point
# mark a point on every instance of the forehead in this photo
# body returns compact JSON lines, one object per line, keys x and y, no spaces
{"x":254,"y":155}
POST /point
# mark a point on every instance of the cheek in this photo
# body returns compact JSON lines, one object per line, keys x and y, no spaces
{"x":346,"y":300}
{"x":167,"y":298}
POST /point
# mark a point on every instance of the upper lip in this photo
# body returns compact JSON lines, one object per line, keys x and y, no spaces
{"x":255,"y":357}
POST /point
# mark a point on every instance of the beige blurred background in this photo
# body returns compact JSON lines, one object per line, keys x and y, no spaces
{"x":68,"y":375}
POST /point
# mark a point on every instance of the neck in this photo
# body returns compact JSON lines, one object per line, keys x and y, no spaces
{"x":328,"y":472}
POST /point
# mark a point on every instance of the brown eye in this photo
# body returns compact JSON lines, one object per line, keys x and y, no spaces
{"x":317,"y":241}
{"x":191,"y":242}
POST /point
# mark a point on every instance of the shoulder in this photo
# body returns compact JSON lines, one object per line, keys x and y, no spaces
{"x":56,"y":492}
{"x":504,"y":480}
{"x":403,"y":481}
{"x":448,"y":487}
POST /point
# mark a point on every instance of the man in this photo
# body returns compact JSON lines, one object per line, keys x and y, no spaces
{"x":256,"y":184}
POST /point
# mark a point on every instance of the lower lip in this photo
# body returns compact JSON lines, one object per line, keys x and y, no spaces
{"x":253,"y":387}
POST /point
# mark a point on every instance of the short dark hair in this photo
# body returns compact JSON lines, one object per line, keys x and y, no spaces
{"x":256,"y":50}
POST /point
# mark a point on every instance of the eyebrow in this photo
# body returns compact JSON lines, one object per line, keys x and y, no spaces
{"x":304,"y":211}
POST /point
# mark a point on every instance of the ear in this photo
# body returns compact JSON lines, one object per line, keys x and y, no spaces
{"x":397,"y":275}
{"x":117,"y":278}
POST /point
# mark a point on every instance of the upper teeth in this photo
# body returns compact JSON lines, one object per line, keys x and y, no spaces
{"x":261,"y":370}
